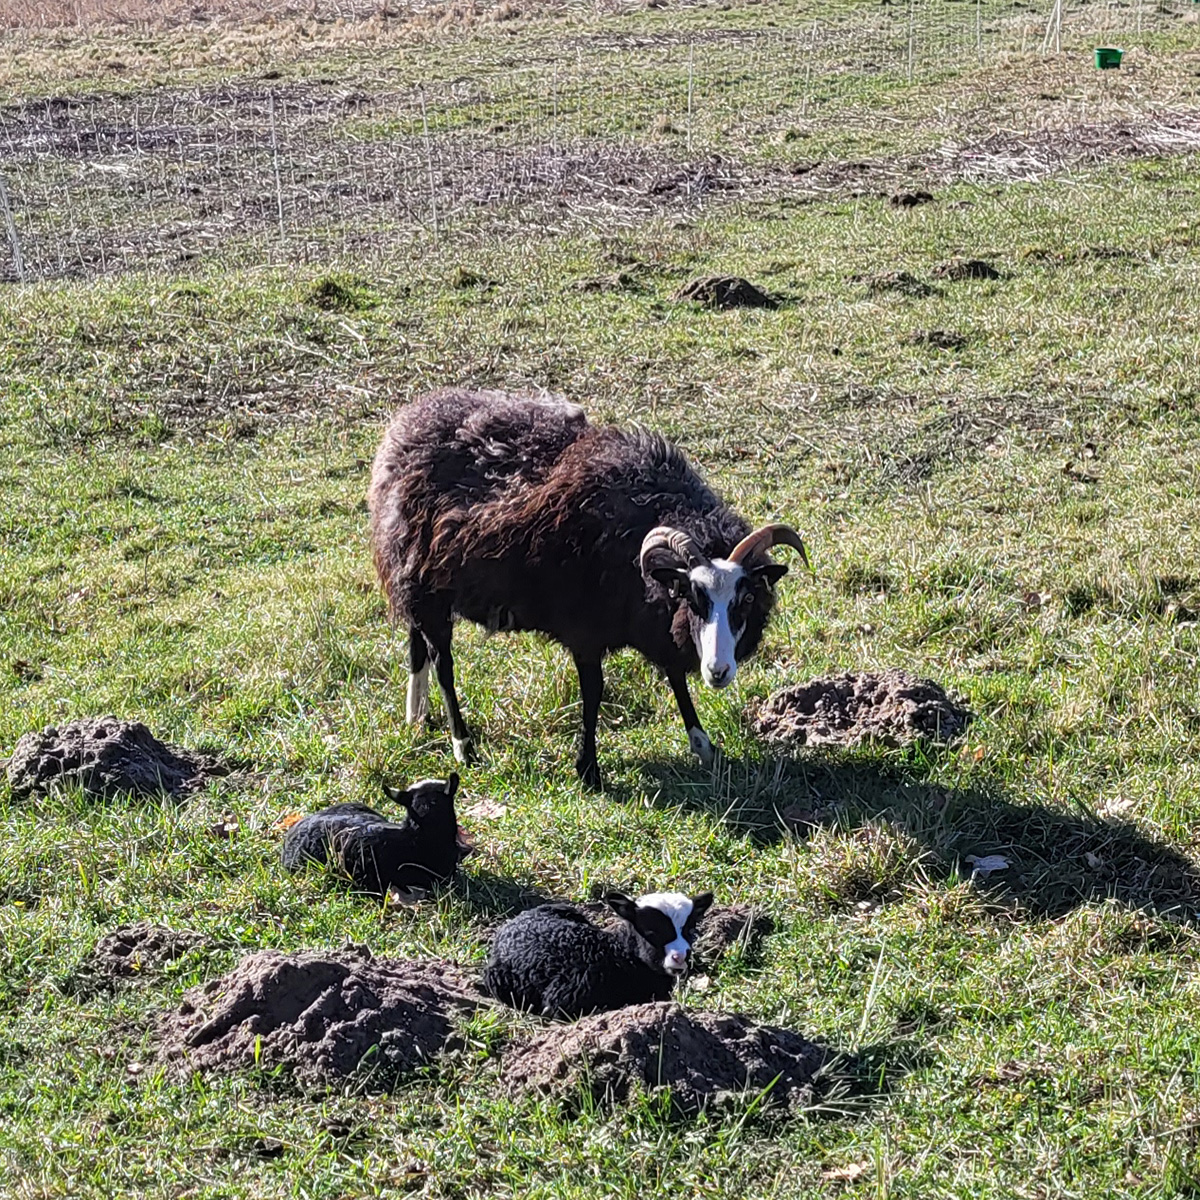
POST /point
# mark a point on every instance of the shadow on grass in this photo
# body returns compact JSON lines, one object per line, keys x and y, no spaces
{"x":1056,"y":860}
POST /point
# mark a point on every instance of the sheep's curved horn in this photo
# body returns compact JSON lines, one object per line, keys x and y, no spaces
{"x":761,"y":540}
{"x":674,"y":542}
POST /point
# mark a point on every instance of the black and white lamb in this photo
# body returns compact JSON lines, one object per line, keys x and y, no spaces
{"x":554,"y":961}
{"x":377,"y":854}
{"x":514,"y":512}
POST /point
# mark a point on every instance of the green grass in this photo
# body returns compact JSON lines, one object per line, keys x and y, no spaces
{"x":183,"y":461}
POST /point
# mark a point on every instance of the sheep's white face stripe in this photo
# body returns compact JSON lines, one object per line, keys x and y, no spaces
{"x":717,"y":643}
{"x":677,"y":907}
{"x":417,"y":708}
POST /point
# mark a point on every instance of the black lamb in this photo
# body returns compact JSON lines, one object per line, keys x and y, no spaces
{"x":515,"y":513}
{"x":377,"y":854}
{"x":552,"y":960}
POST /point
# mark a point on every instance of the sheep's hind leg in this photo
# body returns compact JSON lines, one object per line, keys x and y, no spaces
{"x":591,"y":691}
{"x":417,"y":709}
{"x":698,"y":741}
{"x":443,"y":665}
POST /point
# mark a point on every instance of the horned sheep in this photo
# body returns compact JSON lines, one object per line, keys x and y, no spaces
{"x":516,"y":513}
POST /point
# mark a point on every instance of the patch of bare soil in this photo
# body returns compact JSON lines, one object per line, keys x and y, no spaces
{"x":1009,"y":157}
{"x":892,"y":708}
{"x":133,"y":952}
{"x":323,"y":1015}
{"x":104,"y":757}
{"x":726,"y":926}
{"x":703,"y":1059}
{"x":958,"y":269}
{"x":724,"y":292}
{"x":938,"y":339}
{"x":903,"y":282}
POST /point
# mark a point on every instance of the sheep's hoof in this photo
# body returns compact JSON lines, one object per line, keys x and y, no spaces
{"x":589,"y":774}
{"x":464,"y":751}
{"x":700,"y":746}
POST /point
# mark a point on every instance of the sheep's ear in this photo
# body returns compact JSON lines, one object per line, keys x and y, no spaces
{"x":674,"y":579}
{"x":397,"y":795}
{"x":771,"y":572}
{"x":623,"y":905}
{"x":701,"y":904}
{"x":452,"y":784}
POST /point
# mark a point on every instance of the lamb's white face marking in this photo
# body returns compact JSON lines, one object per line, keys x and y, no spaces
{"x":417,"y":708}
{"x":677,"y":907}
{"x":700,"y":746}
{"x":717,"y":642}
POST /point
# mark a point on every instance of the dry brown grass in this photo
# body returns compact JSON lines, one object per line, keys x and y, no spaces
{"x":54,"y":14}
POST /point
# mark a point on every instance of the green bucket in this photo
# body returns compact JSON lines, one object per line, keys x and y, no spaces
{"x":1108,"y":57}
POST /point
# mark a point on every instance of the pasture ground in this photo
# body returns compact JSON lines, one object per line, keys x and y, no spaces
{"x":997,"y":479}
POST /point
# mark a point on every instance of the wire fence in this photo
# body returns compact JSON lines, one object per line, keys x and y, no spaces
{"x":601,"y":129}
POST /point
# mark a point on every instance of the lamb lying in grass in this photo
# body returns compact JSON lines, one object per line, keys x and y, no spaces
{"x":377,"y":854}
{"x":554,"y":961}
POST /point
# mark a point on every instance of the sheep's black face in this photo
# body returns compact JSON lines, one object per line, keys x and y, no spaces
{"x":665,"y":923}
{"x":725,"y":607}
{"x":427,"y":799}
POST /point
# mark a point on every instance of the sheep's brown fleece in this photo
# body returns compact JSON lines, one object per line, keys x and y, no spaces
{"x":518,"y":514}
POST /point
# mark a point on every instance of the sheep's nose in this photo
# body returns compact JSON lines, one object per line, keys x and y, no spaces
{"x":719,"y":674}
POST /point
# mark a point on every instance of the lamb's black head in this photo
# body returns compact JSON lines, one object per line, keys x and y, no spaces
{"x":428,"y":799}
{"x":724,"y":602}
{"x":665,"y":925}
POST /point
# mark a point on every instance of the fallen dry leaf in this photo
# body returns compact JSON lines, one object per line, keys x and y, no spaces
{"x":847,"y":1174}
{"x":988,"y":863}
{"x":226,"y":827}
{"x":486,"y":809}
{"x":701,"y":983}
{"x":286,"y":822}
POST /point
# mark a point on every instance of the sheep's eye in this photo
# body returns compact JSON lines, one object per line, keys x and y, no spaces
{"x":700,"y":602}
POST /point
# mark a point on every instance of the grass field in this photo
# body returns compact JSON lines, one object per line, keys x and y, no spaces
{"x":997,"y":480}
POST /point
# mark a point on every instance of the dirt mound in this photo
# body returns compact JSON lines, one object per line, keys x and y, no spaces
{"x":704,"y":1059}
{"x":104,"y":757}
{"x":958,"y":269}
{"x":322,"y":1014}
{"x":724,"y":291}
{"x":903,"y":282}
{"x":726,"y":926}
{"x":135,"y":952}
{"x":892,"y":708}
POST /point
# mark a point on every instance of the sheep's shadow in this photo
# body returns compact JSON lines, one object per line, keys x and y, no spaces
{"x":1056,"y":860}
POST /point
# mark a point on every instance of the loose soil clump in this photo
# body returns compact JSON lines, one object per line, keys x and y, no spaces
{"x":321,"y":1014}
{"x":903,"y":282}
{"x":725,"y":292}
{"x":703,"y":1059}
{"x":137,"y":952}
{"x":105,"y":757}
{"x":958,"y":269}
{"x":892,"y":708}
{"x":725,"y":926}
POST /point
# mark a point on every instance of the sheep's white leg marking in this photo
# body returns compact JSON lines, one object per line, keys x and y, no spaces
{"x":701,"y":747}
{"x":417,"y":708}
{"x":462,"y":750}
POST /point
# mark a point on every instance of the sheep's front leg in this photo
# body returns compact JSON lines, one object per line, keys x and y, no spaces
{"x":417,"y":708}
{"x":591,"y":690}
{"x":698,"y":741}
{"x":443,"y":666}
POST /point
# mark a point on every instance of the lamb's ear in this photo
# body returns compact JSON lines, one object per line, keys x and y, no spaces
{"x":624,"y":906}
{"x":397,"y":796}
{"x":452,"y":784}
{"x":701,"y":904}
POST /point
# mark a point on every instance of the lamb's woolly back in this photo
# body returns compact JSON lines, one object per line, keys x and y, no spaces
{"x":555,"y":961}
{"x":377,"y":853}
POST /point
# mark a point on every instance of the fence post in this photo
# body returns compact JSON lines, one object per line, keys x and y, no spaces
{"x":11,"y":226}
